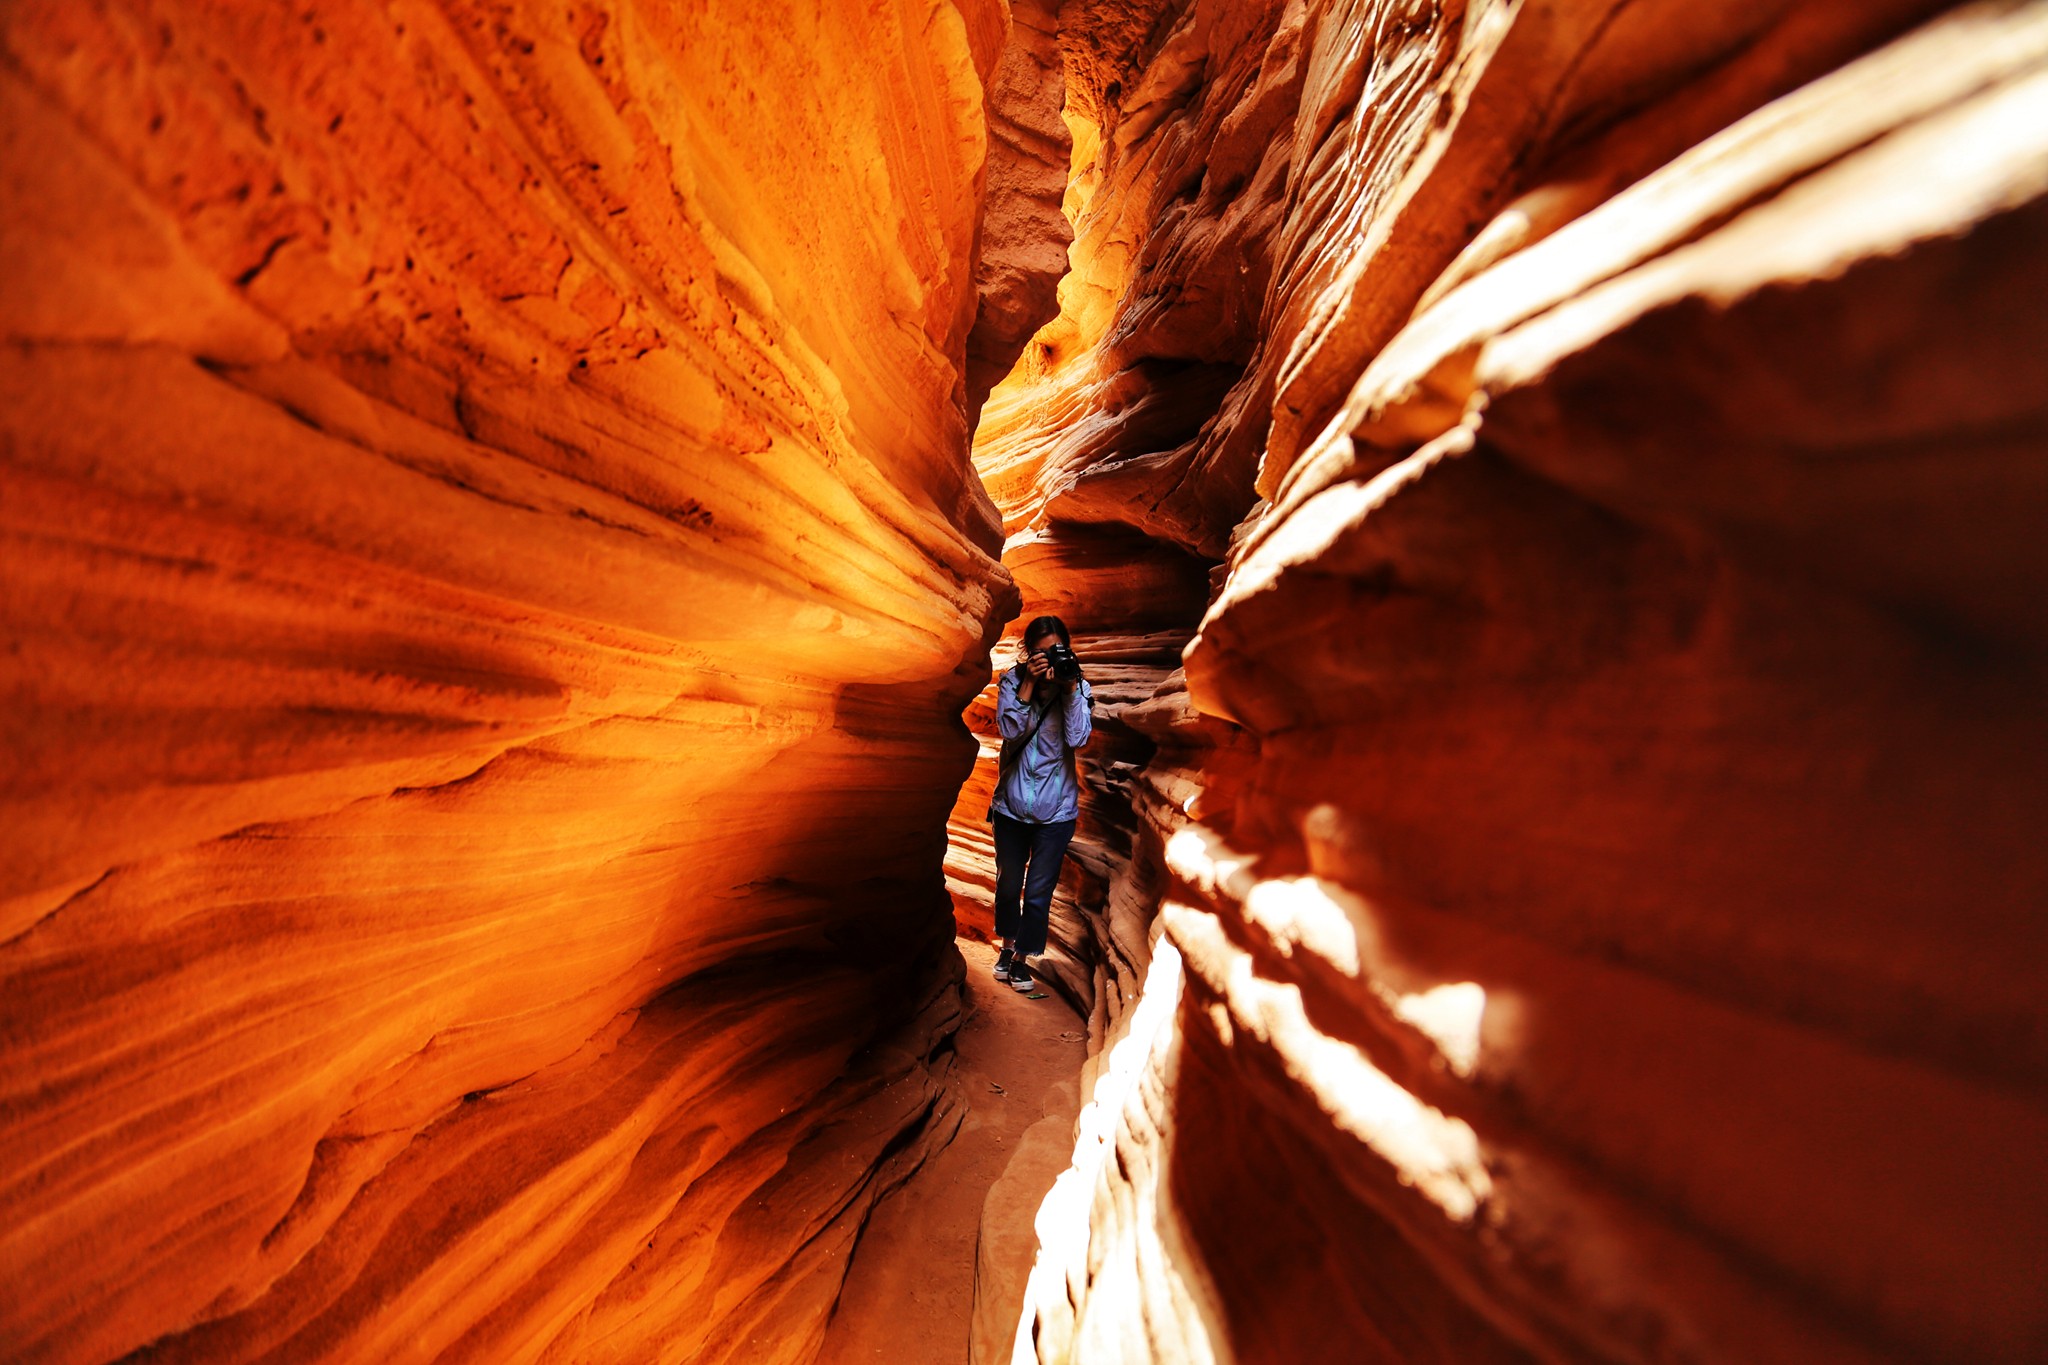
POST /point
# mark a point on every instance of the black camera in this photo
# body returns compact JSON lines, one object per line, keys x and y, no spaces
{"x":1065,"y":667}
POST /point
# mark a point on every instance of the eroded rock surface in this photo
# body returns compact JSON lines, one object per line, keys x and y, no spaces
{"x":1549,"y":494}
{"x":491,"y":572}
{"x":1587,"y":883}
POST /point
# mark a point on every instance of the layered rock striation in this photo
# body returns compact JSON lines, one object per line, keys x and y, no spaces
{"x":1547,"y":491}
{"x":1586,"y":879}
{"x":492,"y":570}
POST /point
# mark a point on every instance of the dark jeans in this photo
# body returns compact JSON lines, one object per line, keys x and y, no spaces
{"x":1028,"y":859}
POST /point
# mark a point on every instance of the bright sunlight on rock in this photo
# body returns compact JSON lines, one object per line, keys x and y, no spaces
{"x":511,"y":514}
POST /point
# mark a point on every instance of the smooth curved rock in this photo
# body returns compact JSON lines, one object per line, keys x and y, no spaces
{"x":1548,"y":495}
{"x":491,"y":569}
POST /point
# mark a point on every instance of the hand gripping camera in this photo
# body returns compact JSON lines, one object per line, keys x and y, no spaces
{"x":1065,"y":667}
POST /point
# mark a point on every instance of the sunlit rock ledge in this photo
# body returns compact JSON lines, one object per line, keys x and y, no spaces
{"x":1585,"y":900}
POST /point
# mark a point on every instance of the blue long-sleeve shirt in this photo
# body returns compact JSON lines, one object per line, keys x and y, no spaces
{"x":1041,"y":788}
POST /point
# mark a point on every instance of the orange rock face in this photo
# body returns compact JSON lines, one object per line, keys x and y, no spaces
{"x":1596,"y":841}
{"x":487,"y":538}
{"x":1548,"y":492}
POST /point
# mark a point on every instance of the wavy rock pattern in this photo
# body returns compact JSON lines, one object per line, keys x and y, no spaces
{"x":491,"y":571}
{"x":1548,"y":491}
{"x":1022,"y":252}
{"x":1596,"y":839}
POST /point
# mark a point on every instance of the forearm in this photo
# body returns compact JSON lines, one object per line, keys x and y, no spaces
{"x":1079,"y":719}
{"x":1012,"y":717}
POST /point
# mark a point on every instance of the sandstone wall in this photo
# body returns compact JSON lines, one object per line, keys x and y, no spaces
{"x":1597,"y":835}
{"x":491,"y":573}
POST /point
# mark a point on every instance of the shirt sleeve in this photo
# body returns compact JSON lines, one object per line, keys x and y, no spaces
{"x":1013,"y":717}
{"x":1080,"y":717}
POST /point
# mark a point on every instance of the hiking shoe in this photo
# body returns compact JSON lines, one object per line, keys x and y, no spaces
{"x":1020,"y":977}
{"x":1003,"y":965}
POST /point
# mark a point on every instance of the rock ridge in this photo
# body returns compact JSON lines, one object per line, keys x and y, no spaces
{"x":1570,"y":890}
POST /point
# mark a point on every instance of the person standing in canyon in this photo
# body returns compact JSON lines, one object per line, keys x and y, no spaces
{"x":1038,"y":790}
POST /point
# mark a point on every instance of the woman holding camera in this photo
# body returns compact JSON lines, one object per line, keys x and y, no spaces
{"x":1038,"y":791}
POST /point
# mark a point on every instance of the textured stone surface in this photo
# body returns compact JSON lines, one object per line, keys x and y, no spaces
{"x":491,"y":569}
{"x":1596,"y":845}
{"x":1024,"y":234}
{"x":1548,"y":493}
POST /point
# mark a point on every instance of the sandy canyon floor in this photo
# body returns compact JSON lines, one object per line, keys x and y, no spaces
{"x":909,"y":1296}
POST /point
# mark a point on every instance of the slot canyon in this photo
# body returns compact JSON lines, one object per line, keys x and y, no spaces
{"x":511,"y":513}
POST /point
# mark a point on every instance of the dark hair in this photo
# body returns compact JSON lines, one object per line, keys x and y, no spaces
{"x":1046,"y":625}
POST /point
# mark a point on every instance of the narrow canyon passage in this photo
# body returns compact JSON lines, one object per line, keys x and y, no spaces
{"x":511,"y":516}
